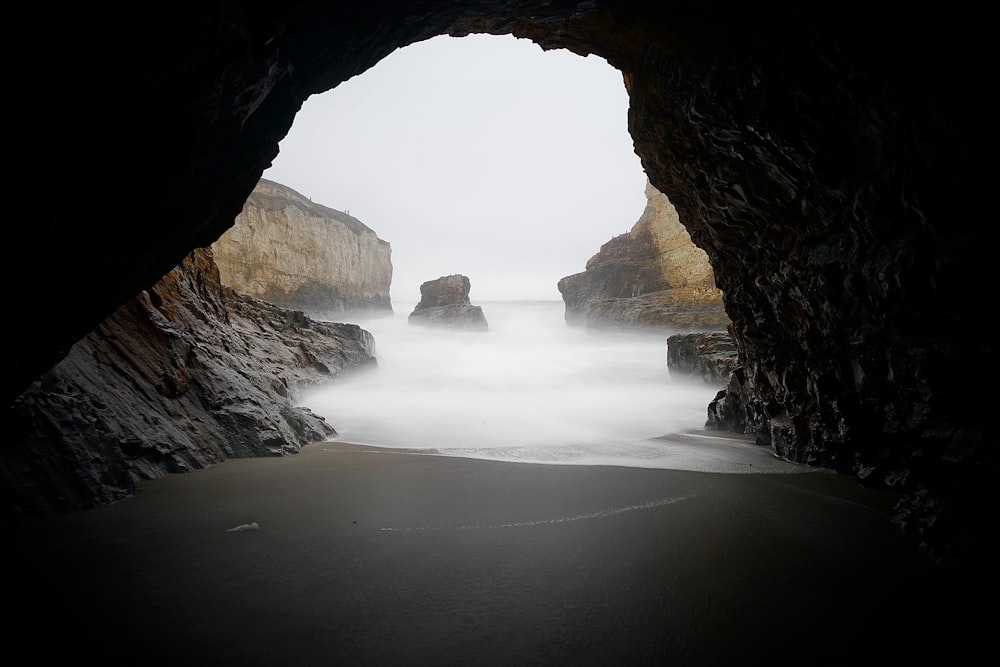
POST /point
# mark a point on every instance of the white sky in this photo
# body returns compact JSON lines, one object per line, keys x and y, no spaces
{"x":481,"y":155}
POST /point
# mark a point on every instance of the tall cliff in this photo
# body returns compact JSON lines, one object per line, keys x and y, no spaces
{"x":294,"y":253}
{"x":651,"y":276}
{"x":186,"y":374}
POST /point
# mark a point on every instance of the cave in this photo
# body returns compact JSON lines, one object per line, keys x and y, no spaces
{"x":831,"y":164}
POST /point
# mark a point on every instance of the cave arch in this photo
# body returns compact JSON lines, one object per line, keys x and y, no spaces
{"x":836,"y":193}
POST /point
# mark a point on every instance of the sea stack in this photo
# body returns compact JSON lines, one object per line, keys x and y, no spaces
{"x":444,"y":302}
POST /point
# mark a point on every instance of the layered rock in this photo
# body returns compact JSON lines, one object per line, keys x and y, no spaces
{"x":187,"y":374}
{"x":294,"y":253}
{"x":444,"y":302}
{"x":710,"y":356}
{"x":652,"y":276}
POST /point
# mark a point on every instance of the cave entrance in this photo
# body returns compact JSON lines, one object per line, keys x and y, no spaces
{"x":489,"y":157}
{"x":481,"y":155}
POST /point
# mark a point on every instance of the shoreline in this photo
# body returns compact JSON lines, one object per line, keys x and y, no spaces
{"x":410,"y":559}
{"x":693,"y":450}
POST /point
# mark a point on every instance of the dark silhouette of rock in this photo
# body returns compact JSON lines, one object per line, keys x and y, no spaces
{"x":444,"y":302}
{"x":710,"y":356}
{"x":187,"y":374}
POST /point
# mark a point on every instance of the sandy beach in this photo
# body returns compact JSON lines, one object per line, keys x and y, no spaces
{"x":351,"y":555}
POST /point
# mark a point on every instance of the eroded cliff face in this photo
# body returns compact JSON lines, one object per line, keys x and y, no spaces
{"x":187,"y":374}
{"x":652,"y":276}
{"x":287,"y":250}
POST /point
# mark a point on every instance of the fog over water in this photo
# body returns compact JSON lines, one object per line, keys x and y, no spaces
{"x":531,"y":389}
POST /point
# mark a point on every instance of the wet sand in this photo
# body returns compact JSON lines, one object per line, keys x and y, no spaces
{"x":362,"y":556}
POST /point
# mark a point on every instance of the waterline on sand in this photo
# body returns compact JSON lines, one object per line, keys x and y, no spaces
{"x":659,"y":502}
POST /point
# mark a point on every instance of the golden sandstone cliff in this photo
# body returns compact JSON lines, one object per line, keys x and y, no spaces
{"x":294,"y":253}
{"x":653,"y":275}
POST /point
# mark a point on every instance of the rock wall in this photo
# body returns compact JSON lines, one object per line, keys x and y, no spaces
{"x":187,"y":374}
{"x":294,"y":253}
{"x":652,"y":276}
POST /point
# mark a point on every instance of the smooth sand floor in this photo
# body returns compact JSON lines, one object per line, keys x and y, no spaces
{"x":364,"y":556}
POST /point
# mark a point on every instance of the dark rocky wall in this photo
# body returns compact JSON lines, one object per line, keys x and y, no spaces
{"x":831,"y":162}
{"x":709,"y":356}
{"x":185,"y":375}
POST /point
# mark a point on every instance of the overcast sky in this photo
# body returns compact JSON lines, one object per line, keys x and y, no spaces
{"x":481,"y":155}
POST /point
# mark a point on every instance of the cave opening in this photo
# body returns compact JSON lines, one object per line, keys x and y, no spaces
{"x":489,"y":157}
{"x":483,"y":155}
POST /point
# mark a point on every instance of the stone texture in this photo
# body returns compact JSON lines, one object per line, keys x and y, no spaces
{"x":832,"y":164}
{"x":651,"y":277}
{"x":185,"y":375}
{"x":294,"y":253}
{"x":709,"y":356}
{"x":444,"y":302}
{"x":734,"y":409}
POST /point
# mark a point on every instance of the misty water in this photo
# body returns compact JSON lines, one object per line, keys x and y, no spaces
{"x":531,"y":389}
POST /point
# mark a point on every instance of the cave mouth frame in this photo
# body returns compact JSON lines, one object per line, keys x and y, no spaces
{"x":573,"y":108}
{"x":217,"y":89}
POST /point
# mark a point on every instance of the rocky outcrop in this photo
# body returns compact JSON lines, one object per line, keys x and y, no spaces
{"x":652,"y":276}
{"x":734,"y":410}
{"x":294,"y":253}
{"x":444,"y":302}
{"x":710,"y":356}
{"x":185,"y":375}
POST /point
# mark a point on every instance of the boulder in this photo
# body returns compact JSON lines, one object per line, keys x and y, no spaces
{"x":710,"y":356}
{"x":444,"y":302}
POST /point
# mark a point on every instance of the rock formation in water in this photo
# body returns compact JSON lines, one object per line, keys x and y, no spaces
{"x":444,"y":302}
{"x":287,"y":250}
{"x":652,"y":276}
{"x":187,"y":374}
{"x":829,"y":162}
{"x":710,"y":356}
{"x":733,"y":409}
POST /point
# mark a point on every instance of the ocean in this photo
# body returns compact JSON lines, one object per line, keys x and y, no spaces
{"x":531,"y":389}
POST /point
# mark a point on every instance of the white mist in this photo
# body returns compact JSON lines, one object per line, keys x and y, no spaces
{"x":530,"y":389}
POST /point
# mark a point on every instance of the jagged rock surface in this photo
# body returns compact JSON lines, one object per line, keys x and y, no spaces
{"x":710,"y":356}
{"x":294,"y":253}
{"x":652,"y":276}
{"x":185,"y":375}
{"x":444,"y":302}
